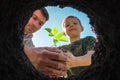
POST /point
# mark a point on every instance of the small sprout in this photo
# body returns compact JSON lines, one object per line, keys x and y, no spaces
{"x":57,"y":36}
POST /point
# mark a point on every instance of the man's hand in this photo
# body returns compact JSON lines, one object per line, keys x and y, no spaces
{"x":49,"y":61}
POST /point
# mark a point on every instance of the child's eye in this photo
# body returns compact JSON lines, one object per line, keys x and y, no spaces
{"x":75,"y":23}
{"x":67,"y":26}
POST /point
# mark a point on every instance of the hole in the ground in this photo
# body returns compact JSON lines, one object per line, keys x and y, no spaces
{"x":56,"y":16}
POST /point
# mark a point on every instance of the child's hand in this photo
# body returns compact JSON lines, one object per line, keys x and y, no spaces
{"x":71,"y":60}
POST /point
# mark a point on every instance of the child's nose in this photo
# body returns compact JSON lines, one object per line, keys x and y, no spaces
{"x":71,"y":25}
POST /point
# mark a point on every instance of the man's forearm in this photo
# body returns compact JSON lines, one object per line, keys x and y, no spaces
{"x":28,"y":52}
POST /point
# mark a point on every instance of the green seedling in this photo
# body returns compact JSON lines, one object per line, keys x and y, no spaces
{"x":57,"y":36}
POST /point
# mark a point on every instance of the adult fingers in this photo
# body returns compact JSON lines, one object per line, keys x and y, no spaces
{"x":54,"y":64}
{"x":54,"y":72}
{"x":53,"y":49}
{"x":54,"y":56}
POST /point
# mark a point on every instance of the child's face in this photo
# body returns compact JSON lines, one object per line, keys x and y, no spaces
{"x":72,"y":27}
{"x":35,"y":22}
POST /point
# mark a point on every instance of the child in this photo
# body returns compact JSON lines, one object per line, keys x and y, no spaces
{"x":81,"y":49}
